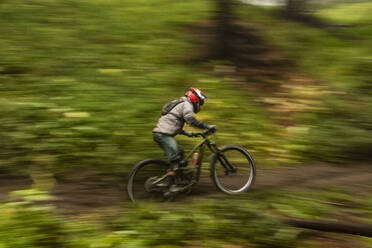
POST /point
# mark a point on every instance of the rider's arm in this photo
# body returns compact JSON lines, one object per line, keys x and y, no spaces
{"x":188,"y":116}
{"x":186,"y":133}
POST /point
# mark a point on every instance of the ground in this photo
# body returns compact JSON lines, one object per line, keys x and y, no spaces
{"x":103,"y":196}
{"x":86,"y":193}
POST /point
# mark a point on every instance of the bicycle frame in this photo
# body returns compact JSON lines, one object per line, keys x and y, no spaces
{"x":228,"y":167}
{"x":160,"y":181}
{"x":214,"y":149}
{"x":201,"y":147}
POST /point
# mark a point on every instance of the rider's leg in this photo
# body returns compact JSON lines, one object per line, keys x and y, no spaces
{"x":171,"y":149}
{"x":173,"y":153}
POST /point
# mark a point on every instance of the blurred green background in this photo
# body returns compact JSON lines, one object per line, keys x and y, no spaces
{"x":83,"y":82}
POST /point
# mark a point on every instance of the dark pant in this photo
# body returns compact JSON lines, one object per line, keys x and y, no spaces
{"x":170,"y":147}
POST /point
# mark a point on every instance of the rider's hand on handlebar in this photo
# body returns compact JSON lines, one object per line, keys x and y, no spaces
{"x":188,"y":134}
{"x":212,"y":128}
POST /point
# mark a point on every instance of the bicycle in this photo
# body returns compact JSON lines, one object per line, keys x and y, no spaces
{"x":147,"y":180}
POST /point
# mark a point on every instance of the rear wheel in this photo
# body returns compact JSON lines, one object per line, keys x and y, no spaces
{"x":147,"y":181}
{"x":239,"y":172}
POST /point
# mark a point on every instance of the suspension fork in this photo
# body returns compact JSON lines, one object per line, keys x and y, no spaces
{"x":229,"y":168}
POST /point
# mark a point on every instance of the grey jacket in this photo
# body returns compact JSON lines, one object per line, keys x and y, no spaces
{"x":173,"y":122}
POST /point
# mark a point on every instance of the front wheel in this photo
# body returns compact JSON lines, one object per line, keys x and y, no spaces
{"x":147,"y":181}
{"x":233,"y":170}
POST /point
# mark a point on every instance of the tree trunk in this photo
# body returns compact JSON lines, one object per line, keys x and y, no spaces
{"x":296,"y":8}
{"x":332,"y":226}
{"x":224,"y":16}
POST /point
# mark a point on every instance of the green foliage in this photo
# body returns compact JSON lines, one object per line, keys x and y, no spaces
{"x":212,"y":223}
{"x":28,"y":225}
{"x":338,"y":60}
{"x":250,"y":220}
{"x":293,"y":204}
{"x":83,"y":82}
{"x":355,"y":13}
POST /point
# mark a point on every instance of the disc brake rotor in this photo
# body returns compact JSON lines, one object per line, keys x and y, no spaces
{"x":149,"y":184}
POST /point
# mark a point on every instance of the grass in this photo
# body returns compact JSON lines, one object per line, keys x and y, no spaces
{"x":357,"y":13}
{"x":83,"y":84}
{"x":84,"y":81}
{"x":251,"y":219}
{"x":337,"y":60}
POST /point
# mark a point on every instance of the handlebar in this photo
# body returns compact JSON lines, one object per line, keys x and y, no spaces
{"x":204,"y":134}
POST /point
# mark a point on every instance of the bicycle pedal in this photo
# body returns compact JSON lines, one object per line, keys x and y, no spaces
{"x":170,"y":194}
{"x":174,"y":191}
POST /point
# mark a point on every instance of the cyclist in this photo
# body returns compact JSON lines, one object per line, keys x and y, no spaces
{"x":174,"y":116}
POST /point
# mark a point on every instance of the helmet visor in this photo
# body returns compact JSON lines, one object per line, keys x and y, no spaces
{"x":202,"y":98}
{"x":199,"y":95}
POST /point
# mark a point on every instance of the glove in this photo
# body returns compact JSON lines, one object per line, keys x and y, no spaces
{"x":212,"y":128}
{"x":188,"y":134}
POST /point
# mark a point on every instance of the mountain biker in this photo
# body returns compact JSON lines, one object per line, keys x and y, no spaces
{"x":174,"y":116}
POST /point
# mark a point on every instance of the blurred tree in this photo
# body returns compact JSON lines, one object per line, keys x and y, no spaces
{"x":224,"y":18}
{"x":297,"y":8}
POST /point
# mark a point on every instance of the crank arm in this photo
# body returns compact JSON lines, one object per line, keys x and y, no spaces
{"x":160,"y":179}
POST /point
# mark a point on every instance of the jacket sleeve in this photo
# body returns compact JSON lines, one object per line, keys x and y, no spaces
{"x":188,"y":116}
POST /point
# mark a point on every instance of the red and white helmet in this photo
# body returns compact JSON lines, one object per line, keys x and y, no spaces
{"x":197,"y":97}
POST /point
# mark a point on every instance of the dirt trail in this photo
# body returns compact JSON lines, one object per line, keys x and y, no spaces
{"x":99,"y":191}
{"x":89,"y":193}
{"x":317,"y":176}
